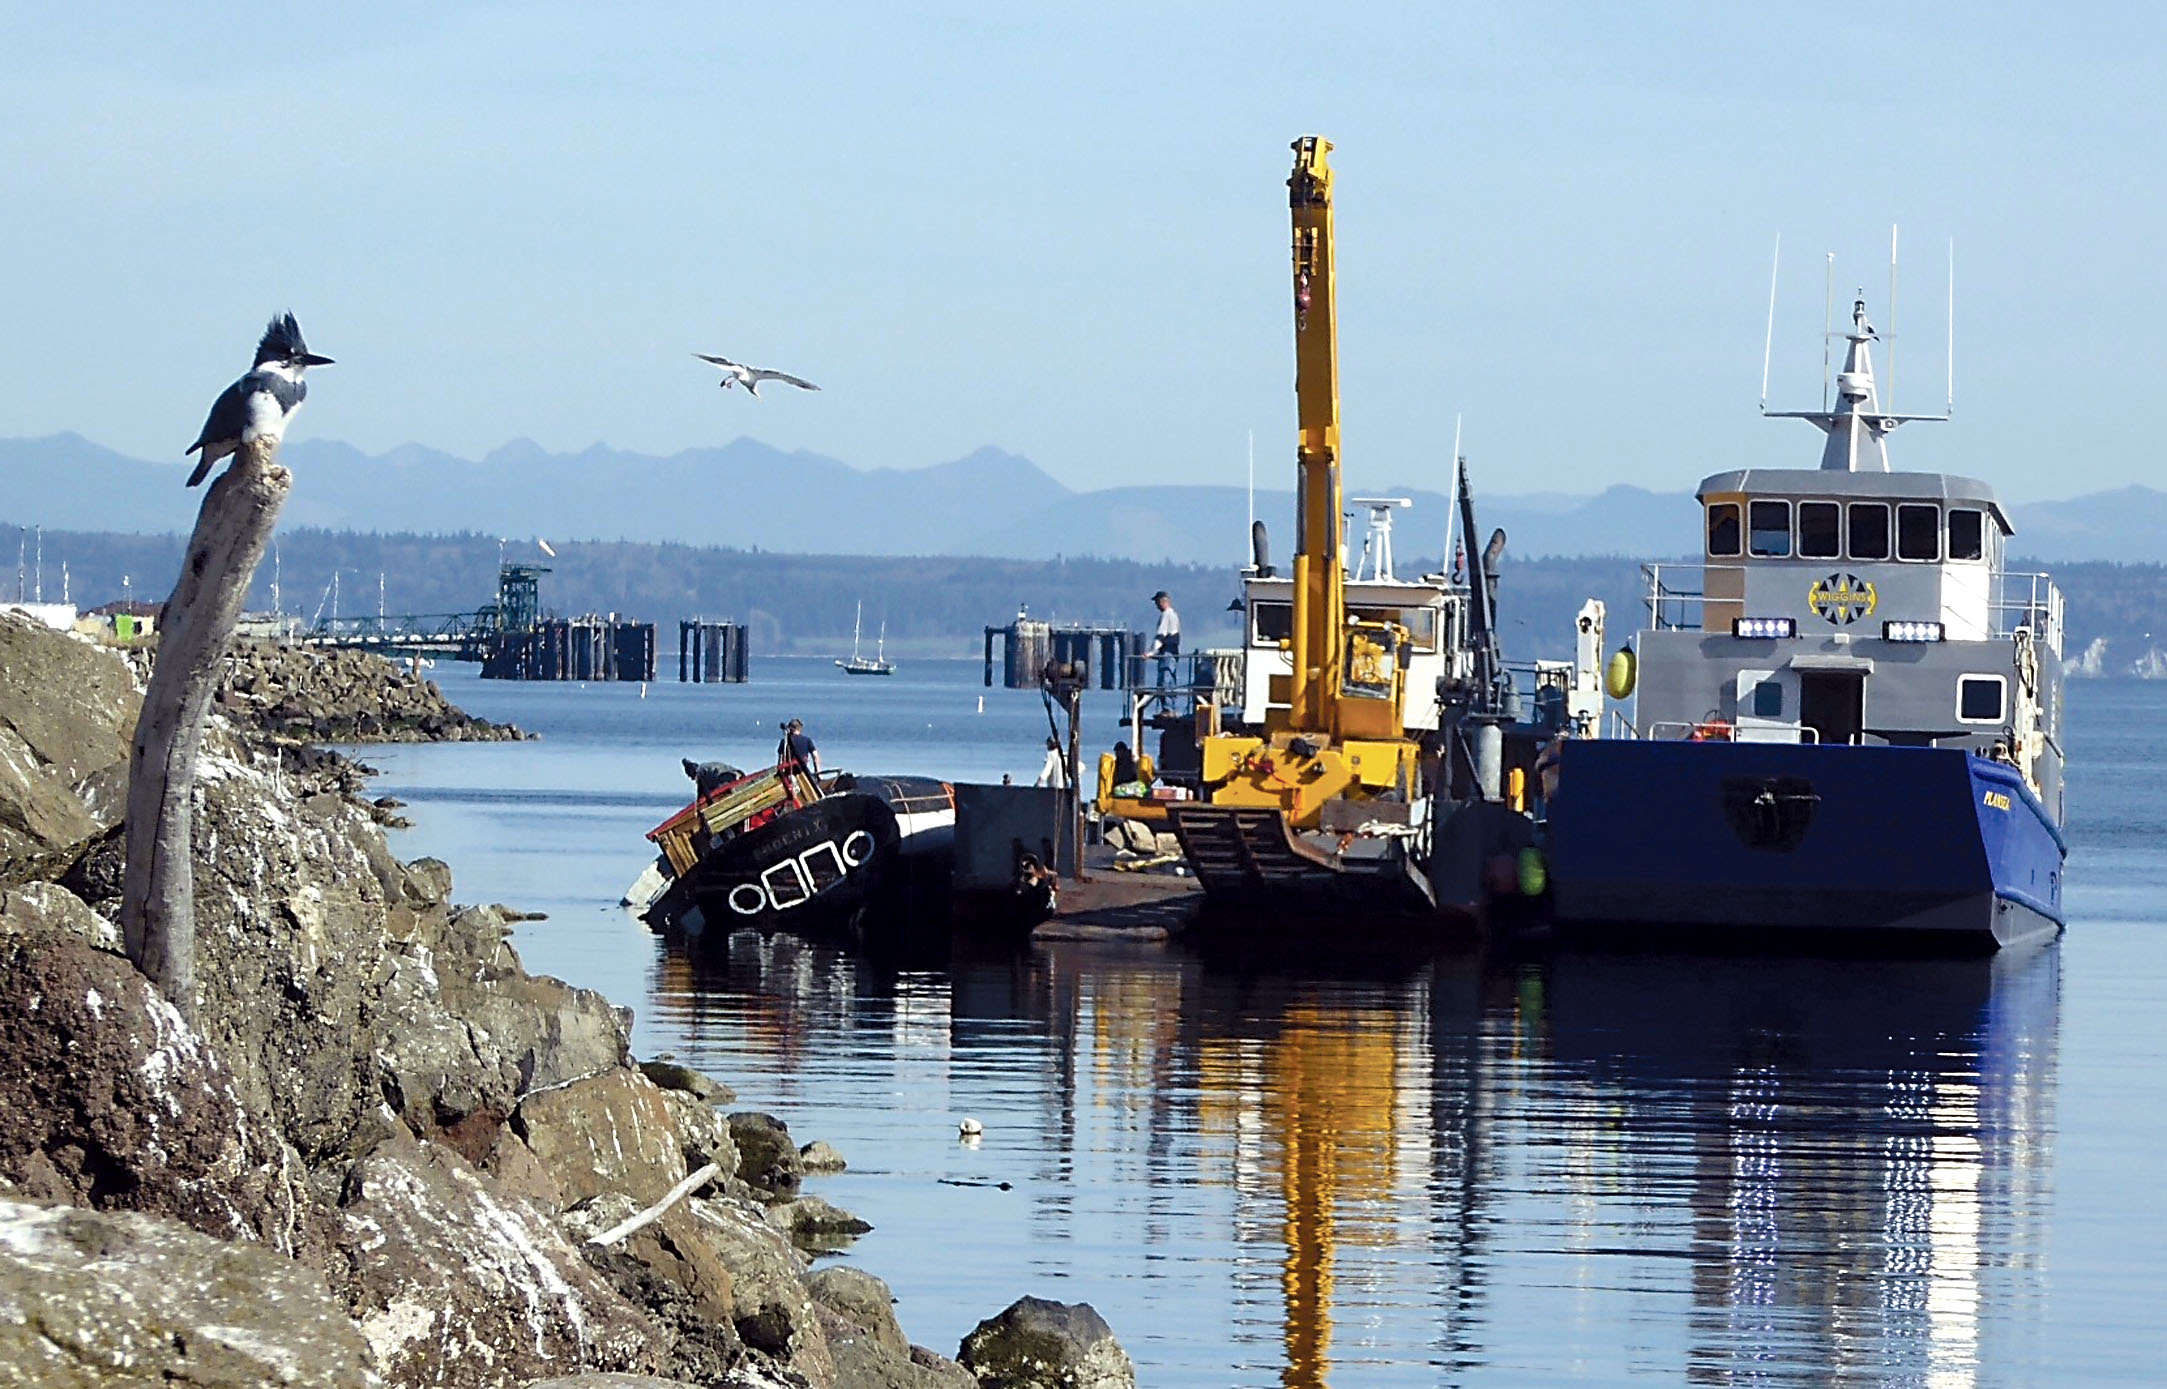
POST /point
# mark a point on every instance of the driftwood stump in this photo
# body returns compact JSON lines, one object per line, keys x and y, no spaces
{"x":158,"y":916}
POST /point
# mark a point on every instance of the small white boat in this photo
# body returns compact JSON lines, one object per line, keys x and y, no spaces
{"x":859,"y":663}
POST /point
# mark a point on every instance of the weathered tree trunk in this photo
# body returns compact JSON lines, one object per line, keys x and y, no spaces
{"x":158,"y":915}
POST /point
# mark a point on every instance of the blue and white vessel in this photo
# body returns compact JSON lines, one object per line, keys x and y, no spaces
{"x":1846,"y":721}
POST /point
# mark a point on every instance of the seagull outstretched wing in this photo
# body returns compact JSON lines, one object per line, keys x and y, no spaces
{"x":750,"y":377}
{"x":760,"y":374}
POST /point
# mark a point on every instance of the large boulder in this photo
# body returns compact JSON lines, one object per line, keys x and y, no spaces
{"x":774,"y":1312}
{"x":67,"y":710}
{"x":458,"y":1283}
{"x":115,"y":1299}
{"x":1037,"y":1344}
{"x":108,"y":1099}
{"x":767,"y":1160}
{"x":609,"y":1133}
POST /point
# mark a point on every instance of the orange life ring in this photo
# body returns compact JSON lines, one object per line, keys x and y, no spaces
{"x":1713,"y":731}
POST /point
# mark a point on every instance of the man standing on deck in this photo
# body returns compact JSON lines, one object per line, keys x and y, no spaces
{"x":797,"y":747}
{"x":1167,"y":645}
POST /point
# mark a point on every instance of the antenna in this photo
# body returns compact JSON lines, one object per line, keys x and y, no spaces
{"x":40,"y":571}
{"x":1452,"y":498}
{"x":1828,"y":323}
{"x":1768,"y":345}
{"x":275,"y":608}
{"x":1252,"y":483}
{"x":1891,"y":334}
{"x":1951,"y":408}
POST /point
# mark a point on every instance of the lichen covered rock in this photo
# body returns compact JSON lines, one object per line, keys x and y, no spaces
{"x":1037,"y":1344}
{"x":108,"y":1299}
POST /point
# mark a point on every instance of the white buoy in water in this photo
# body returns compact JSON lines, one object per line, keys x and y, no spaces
{"x":981,"y":704}
{"x":970,"y":1128}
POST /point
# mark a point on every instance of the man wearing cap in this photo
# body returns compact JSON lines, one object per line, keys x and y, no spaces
{"x":1167,"y":644}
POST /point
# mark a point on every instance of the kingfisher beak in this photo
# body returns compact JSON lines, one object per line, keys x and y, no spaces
{"x":310,"y":359}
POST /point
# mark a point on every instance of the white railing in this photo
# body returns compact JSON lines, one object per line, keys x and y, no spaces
{"x":1676,"y":598}
{"x":1713,"y":730}
{"x":2031,"y":602}
{"x":1679,"y":608}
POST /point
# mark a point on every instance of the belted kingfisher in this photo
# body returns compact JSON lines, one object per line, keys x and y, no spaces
{"x":751,"y":377}
{"x":259,"y":404}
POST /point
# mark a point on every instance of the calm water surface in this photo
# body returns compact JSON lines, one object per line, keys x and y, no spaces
{"x":1607,"y":1170}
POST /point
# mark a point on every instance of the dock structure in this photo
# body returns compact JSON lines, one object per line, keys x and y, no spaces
{"x":711,"y":653}
{"x":1027,"y":644}
{"x":574,"y":648}
{"x":511,"y":638}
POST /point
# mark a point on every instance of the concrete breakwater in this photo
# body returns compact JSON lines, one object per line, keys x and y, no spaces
{"x":317,"y":694}
{"x":385,"y":1153}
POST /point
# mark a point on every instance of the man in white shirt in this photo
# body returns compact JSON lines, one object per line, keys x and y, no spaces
{"x":1055,"y":772}
{"x":1167,"y":643}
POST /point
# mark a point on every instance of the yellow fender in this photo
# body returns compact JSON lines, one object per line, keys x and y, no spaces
{"x":1622,"y":673}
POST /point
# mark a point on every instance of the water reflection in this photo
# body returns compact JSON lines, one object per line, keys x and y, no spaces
{"x":1752,"y":1172}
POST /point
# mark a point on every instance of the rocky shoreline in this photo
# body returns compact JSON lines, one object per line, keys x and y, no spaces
{"x":322,"y":695}
{"x":385,"y":1154}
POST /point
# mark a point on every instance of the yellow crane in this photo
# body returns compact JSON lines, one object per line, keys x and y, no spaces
{"x":1340,"y":735}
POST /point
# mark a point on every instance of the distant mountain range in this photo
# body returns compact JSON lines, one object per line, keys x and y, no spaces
{"x":747,"y":494}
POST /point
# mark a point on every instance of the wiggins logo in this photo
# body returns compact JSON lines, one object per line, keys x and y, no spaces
{"x":1842,"y":598}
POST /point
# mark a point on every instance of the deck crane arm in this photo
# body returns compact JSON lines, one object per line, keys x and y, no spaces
{"x":1319,"y":582}
{"x":1341,"y":737}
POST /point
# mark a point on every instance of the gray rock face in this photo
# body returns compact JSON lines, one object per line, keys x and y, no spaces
{"x":108,"y":1100}
{"x":1037,"y":1344}
{"x":91,"y":1298}
{"x":864,"y":1300}
{"x":701,"y":1086}
{"x":610,"y":1381}
{"x":820,"y":1157}
{"x":58,"y":756}
{"x":456,"y":1283}
{"x":612,"y":1133}
{"x":775,"y":1313}
{"x":767,"y":1159}
{"x":815,"y":1224}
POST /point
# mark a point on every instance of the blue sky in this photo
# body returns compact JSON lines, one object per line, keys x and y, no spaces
{"x":1062,"y":229}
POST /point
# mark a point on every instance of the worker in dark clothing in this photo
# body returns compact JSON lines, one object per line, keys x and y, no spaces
{"x":797,"y":748}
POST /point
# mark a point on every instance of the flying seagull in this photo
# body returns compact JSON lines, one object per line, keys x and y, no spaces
{"x":259,"y":404}
{"x":751,"y":377}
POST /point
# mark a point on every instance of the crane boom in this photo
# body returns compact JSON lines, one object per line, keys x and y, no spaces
{"x":1319,"y":582}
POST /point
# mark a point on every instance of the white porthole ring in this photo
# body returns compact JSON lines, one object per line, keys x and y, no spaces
{"x":853,"y":853}
{"x":739,"y":904}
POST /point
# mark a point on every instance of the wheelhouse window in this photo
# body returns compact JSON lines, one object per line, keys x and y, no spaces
{"x":1271,"y":623}
{"x":1421,"y":623}
{"x":1981,"y":698}
{"x":1722,"y":529}
{"x":1769,"y":528}
{"x":1819,"y":530}
{"x":1869,"y":530}
{"x":1768,"y":700}
{"x":1967,"y":534}
{"x":1918,"y":531}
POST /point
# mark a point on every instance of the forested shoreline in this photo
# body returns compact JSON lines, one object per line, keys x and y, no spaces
{"x":931,"y":605}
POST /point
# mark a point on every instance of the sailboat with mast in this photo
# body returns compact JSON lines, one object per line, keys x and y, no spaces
{"x":859,"y":663}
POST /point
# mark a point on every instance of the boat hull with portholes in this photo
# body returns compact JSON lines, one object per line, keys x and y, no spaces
{"x":1788,"y":845}
{"x":866,"y":858}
